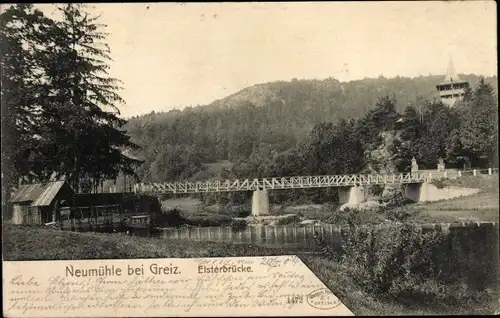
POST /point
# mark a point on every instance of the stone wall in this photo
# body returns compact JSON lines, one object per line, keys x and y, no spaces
{"x":427,"y":192}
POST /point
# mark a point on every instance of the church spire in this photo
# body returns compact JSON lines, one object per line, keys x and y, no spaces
{"x":451,"y":75}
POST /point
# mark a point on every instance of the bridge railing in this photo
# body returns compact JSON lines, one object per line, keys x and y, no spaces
{"x":302,"y":182}
{"x":298,"y":182}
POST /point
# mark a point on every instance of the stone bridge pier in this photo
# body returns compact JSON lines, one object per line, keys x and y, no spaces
{"x":352,"y":195}
{"x":416,"y":192}
{"x":260,"y":203}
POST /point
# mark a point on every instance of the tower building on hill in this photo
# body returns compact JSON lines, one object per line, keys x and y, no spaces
{"x":452,"y":88}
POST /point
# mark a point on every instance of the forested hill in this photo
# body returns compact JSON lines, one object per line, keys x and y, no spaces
{"x":354,"y":96}
{"x":271,"y":116}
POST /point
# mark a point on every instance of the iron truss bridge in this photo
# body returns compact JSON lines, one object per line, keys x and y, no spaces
{"x":280,"y":183}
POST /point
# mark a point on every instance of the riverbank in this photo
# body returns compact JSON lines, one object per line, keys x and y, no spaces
{"x":31,"y":243}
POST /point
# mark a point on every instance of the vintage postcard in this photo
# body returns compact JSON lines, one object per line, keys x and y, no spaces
{"x":249,"y":159}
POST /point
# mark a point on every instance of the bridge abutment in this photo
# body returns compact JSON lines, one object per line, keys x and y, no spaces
{"x":260,"y":203}
{"x":412,"y":191}
{"x":351,"y":195}
{"x":419,"y":192}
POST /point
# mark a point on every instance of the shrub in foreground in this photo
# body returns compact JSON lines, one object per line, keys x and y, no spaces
{"x":403,"y":262}
{"x":390,"y":261}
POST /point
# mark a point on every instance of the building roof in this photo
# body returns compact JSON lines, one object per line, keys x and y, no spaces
{"x":49,"y":193}
{"x":38,"y":194}
{"x":27,"y":193}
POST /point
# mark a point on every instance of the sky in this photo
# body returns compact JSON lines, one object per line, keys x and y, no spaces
{"x":172,"y":55}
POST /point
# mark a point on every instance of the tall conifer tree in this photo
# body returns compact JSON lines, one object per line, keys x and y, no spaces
{"x":83,"y":100}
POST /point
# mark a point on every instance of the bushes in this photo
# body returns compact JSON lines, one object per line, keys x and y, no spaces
{"x":287,"y":219}
{"x":353,"y":216}
{"x":399,"y":214}
{"x":375,"y":190}
{"x":395,"y":198}
{"x":438,"y":183}
{"x":392,"y":261}
{"x":169,"y":218}
{"x":243,"y":211}
{"x":403,"y":262}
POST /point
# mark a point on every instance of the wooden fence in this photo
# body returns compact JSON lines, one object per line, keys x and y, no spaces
{"x":283,"y":235}
{"x":287,"y":235}
{"x":455,"y":173}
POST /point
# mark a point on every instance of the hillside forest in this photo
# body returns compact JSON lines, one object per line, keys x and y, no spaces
{"x":306,"y":127}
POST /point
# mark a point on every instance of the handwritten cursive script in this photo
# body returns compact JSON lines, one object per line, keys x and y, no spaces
{"x":270,"y":284}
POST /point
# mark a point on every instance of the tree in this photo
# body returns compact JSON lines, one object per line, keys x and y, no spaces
{"x":439,"y":124}
{"x":411,"y":130}
{"x":81,"y":101}
{"x":479,"y":129}
{"x":332,"y":149}
{"x":59,"y":106}
{"x":381,"y":118}
{"x":22,"y":38}
{"x":412,"y":127}
{"x":468,"y":94}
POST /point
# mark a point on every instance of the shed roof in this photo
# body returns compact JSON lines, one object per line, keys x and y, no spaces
{"x":27,"y":193}
{"x":49,"y":193}
{"x":38,"y":194}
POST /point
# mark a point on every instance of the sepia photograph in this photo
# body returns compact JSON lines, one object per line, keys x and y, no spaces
{"x":249,"y":159}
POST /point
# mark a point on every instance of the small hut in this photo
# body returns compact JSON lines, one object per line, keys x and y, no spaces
{"x":39,"y":203}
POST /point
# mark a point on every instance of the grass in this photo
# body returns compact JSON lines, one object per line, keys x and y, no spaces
{"x":482,"y":206}
{"x":32,"y":243}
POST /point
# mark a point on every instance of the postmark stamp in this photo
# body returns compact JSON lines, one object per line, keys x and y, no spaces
{"x":323,"y":299}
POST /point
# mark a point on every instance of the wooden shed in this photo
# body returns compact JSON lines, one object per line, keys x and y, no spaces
{"x":39,"y":203}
